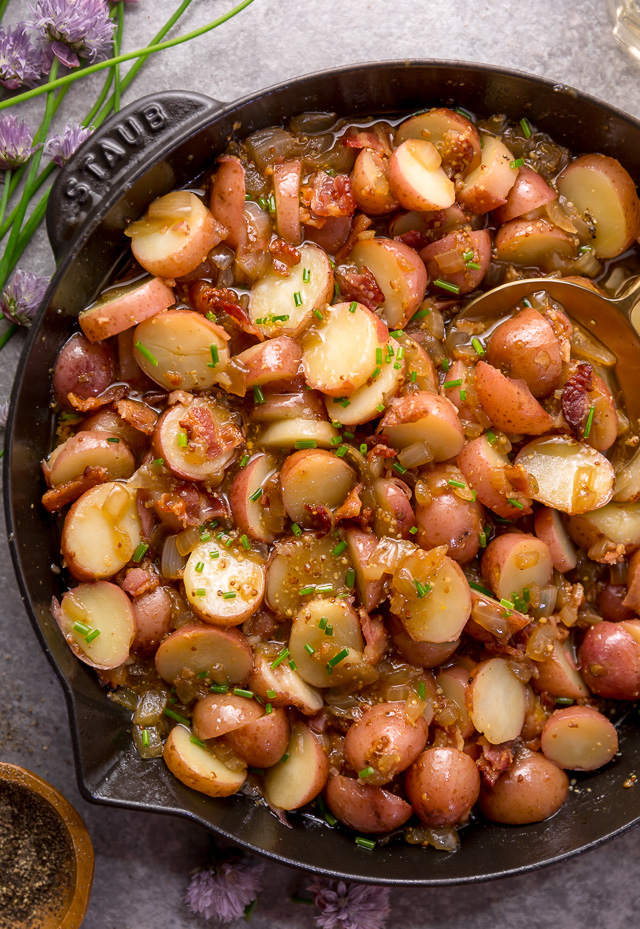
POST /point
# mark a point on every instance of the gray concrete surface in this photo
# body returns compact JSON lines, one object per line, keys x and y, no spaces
{"x":143,"y":861}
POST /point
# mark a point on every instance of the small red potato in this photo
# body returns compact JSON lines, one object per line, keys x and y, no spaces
{"x":416,"y":178}
{"x":250,"y":515}
{"x":420,"y":654}
{"x":225,"y":654}
{"x":83,"y":369}
{"x":599,"y":186}
{"x":87,"y":449}
{"x":579,"y":738}
{"x":570,"y":476}
{"x":443,"y":785}
{"x":608,"y":532}
{"x":632,"y":598}
{"x":488,"y":472}
{"x":385,"y":740}
{"x":290,"y":404}
{"x":199,"y":768}
{"x":120,"y":308}
{"x":365,"y":808}
{"x":444,"y":259}
{"x":219,"y":714}
{"x":459,"y":371}
{"x":364,"y":403}
{"x":297,"y":563}
{"x":394,"y":515}
{"x":400,"y":274}
{"x":526,"y":348}
{"x":181,"y":349}
{"x":273,"y":360}
{"x":611,"y":603}
{"x":289,"y":688}
{"x":604,"y":425}
{"x":312,"y":649}
{"x":152,"y":615}
{"x":288,"y":432}
{"x":339,"y":353}
{"x":109,"y":421}
{"x":196,"y":441}
{"x":533,"y":243}
{"x":610,"y":659}
{"x":454,"y":136}
{"x":558,"y":674}
{"x":311,"y":478}
{"x":497,"y":701}
{"x":286,"y":189}
{"x":361,"y":545}
{"x":300,"y":775}
{"x":532,"y":790}
{"x":370,"y":184}
{"x":486,"y":187}
{"x":174,"y":236}
{"x":427,"y":418}
{"x":551,"y":530}
{"x":529,"y":193}
{"x":515,"y":561}
{"x":448,"y":520}
{"x":101,"y":608}
{"x":228,"y":198}
{"x":509,"y":404}
{"x":252,"y":253}
{"x":224,"y":590}
{"x":332,"y":236}
{"x":431,"y":596}
{"x":262,"y":743}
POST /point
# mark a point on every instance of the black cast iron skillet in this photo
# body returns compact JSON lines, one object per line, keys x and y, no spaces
{"x":154,"y":145}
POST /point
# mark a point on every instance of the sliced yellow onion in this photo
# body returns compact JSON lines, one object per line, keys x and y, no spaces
{"x":187,"y":540}
{"x":420,"y":453}
{"x":172,"y":562}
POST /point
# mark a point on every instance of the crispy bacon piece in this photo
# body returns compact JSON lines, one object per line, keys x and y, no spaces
{"x":205,"y":298}
{"x":138,"y":415}
{"x":495,"y":759}
{"x":202,"y":434}
{"x":575,"y":398}
{"x":351,"y":507}
{"x":414,"y":239}
{"x":375,"y":139}
{"x":190,"y":506}
{"x":322,"y":516}
{"x":110,"y":395}
{"x":359,"y":285}
{"x":59,"y":496}
{"x":140,"y":580}
{"x":179,"y":396}
{"x":361,"y":223}
{"x":284,"y":256}
{"x":375,"y":637}
{"x":329,"y":196}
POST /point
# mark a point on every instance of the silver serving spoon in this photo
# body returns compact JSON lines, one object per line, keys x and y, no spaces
{"x":614,"y":321}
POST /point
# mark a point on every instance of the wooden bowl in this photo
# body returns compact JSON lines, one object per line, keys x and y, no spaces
{"x":69,"y":913}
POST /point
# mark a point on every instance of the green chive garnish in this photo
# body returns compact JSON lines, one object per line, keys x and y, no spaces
{"x":305,"y":591}
{"x":413,"y":530}
{"x":215,"y":358}
{"x":463,"y":395}
{"x":197,"y":741}
{"x":332,"y":662}
{"x":318,"y":314}
{"x":295,"y":528}
{"x":517,"y":163}
{"x":158,"y":461}
{"x":244,"y":461}
{"x":139,"y":552}
{"x":453,"y":483}
{"x":376,"y":373}
{"x":353,"y":306}
{"x":200,"y":592}
{"x":515,"y":503}
{"x":306,"y":275}
{"x":351,"y":577}
{"x":324,"y":588}
{"x":507,"y":604}
{"x":246,"y":544}
{"x":256,"y":495}
{"x":340,"y":547}
{"x":144,"y":351}
{"x":564,"y":701}
{"x":309,"y":649}
{"x":113,"y":439}
{"x":447,"y":285}
{"x":378,"y":356}
{"x":466,"y":113}
{"x":363,"y":448}
{"x":285,"y":757}
{"x":220,"y":688}
{"x":92,"y":635}
{"x":587,"y":428}
{"x":200,"y":567}
{"x":413,"y":377}
{"x":182,"y":440}
{"x":525,"y":125}
{"x":268,"y":709}
{"x":526,"y":302}
{"x":229,"y":595}
{"x":491,"y":436}
{"x":281,"y":657}
{"x":477,"y":344}
{"x":297,"y":298}
{"x":398,"y":468}
{"x":178,"y":718}
{"x":420,"y":314}
{"x":323,"y":622}
{"x":342,"y":451}
{"x":480,"y":589}
{"x":271,"y":694}
{"x":449,"y":385}
{"x":482,"y":536}
{"x":258,"y":396}
{"x":446,"y":364}
{"x":240,"y":692}
{"x":214,"y":554}
{"x":292,"y":664}
{"x":422,"y":589}
{"x":421,"y":690}
{"x":366,"y":772}
{"x":328,"y":630}
{"x":380,"y":407}
{"x":365,"y":843}
{"x":306,"y":443}
{"x":145,"y":737}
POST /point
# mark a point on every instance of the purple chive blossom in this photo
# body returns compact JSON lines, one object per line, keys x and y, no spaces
{"x":74,"y":28}
{"x":224,"y":890}
{"x":20,"y":62}
{"x":22,"y":297}
{"x":349,"y":906}
{"x":61,"y":147}
{"x":4,"y":412}
{"x":16,"y":142}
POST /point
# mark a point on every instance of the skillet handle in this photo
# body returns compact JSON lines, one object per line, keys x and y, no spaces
{"x":116,"y":154}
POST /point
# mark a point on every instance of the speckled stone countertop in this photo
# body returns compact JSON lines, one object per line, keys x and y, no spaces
{"x":143,"y":861}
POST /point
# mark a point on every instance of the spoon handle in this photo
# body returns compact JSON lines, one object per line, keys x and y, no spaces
{"x":629,"y":300}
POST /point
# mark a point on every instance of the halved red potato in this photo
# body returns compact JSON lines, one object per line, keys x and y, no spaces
{"x":273,"y":674}
{"x":274,"y":360}
{"x":570,"y":476}
{"x":533,"y":243}
{"x":252,"y":254}
{"x":82,"y":368}
{"x":459,"y":371}
{"x":416,"y":178}
{"x":426,"y":418}
{"x":120,"y":308}
{"x":604,"y":424}
{"x":89,"y":449}
{"x":262,"y":743}
{"x":598,"y":186}
{"x":488,"y":472}
{"x":313,"y":477}
{"x":224,"y":654}
{"x":529,"y":192}
{"x":610,"y":659}
{"x":509,"y":404}
{"x":109,"y":421}
{"x":515,"y":561}
{"x":370,"y":184}
{"x":400,"y":274}
{"x":289,"y":404}
{"x":101,"y":532}
{"x":365,"y":808}
{"x":394,"y":514}
{"x":300,"y":775}
{"x":361,"y":546}
{"x":448,"y":520}
{"x":313,"y":648}
{"x":533,"y":789}
{"x":332,"y":236}
{"x":422,"y":374}
{"x":579,"y":738}
{"x":497,"y":701}
{"x":181,"y":349}
{"x":286,"y":190}
{"x":364,"y":403}
{"x":550,"y":528}
{"x":429,"y":224}
{"x":197,"y":441}
{"x":444,"y":259}
{"x":198,"y":767}
{"x":386,"y":740}
{"x":486,"y":186}
{"x":339,"y":353}
{"x":288,"y":432}
{"x":431,"y":596}
{"x":97,"y":623}
{"x":175,"y":235}
{"x":454,"y":136}
{"x":525,"y":347}
{"x":248,"y":514}
{"x":443,"y":784}
{"x":607,"y":531}
{"x":152,"y":616}
{"x":284,"y":305}
{"x":420,"y":654}
{"x":558,"y":674}
{"x":218,"y":714}
{"x":454,"y":684}
{"x":228,"y":198}
{"x":298,"y":563}
{"x":224,"y":590}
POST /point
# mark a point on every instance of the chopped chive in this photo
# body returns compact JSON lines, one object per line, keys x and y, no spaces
{"x":281,"y":319}
{"x":517,"y":163}
{"x":145,"y":737}
{"x":205,"y":536}
{"x":477,"y":344}
{"x":467,"y":256}
{"x":241,"y":692}
{"x":285,"y":757}
{"x":144,"y":351}
{"x":306,"y":275}
{"x":295,"y":528}
{"x":351,"y":577}
{"x":342,"y":451}
{"x":271,"y":203}
{"x":397,"y":366}
{"x":480,"y":589}
{"x":420,"y":314}
{"x":413,"y":530}
{"x":491,"y":436}
{"x":446,"y":364}
{"x":376,"y":373}
{"x":256,"y":495}
{"x":525,"y":125}
{"x":158,"y":461}
{"x":365,"y":843}
{"x":309,"y":649}
{"x":413,"y":377}
{"x":345,"y":402}
{"x":328,"y":630}
{"x":363,"y":448}
{"x":305,"y":591}
{"x":324,"y":588}
{"x":200,"y":592}
{"x":271,"y":694}
{"x":262,"y":203}
{"x":318,"y":314}
{"x":422,"y":589}
{"x":297,"y":298}
{"x":292,"y":664}
{"x":466,"y":113}
{"x":211,"y":317}
{"x":449,"y":385}
{"x":229,"y":595}
{"x":526,"y":595}
{"x":200,"y":567}
{"x":587,"y":428}
{"x":526,"y":302}
{"x":215,"y":358}
{"x":584,"y":249}
{"x":367,"y":772}
{"x":482,"y":537}
{"x":140,"y":552}
{"x":220,"y":688}
{"x":447,"y":285}
{"x":113,"y":439}
{"x":281,"y":657}
{"x":564,"y":701}
{"x":400,"y":353}
{"x":244,"y":461}
{"x":178,"y":718}
{"x":463,"y":395}
{"x":348,"y":435}
{"x":421,"y":690}
{"x":197,"y":741}
{"x":515,"y":503}
{"x":453,"y":483}
{"x":336,"y":291}
{"x":335,"y":440}
{"x":332,"y":662}
{"x":81,"y":628}
{"x":380,"y":407}
{"x":323,"y":622}
{"x":340,"y":547}
{"x":92,"y":635}
{"x":473,"y":265}
{"x":507,"y":604}
{"x":268,"y":709}
{"x":353,"y":306}
{"x":378,"y":356}
{"x":214,"y":554}
{"x":398,"y":468}
{"x":201,"y":676}
{"x":182,"y":439}
{"x":246,"y":544}
{"x":306,"y":443}
{"x":258,"y":396}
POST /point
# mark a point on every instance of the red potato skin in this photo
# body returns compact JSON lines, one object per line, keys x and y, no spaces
{"x":443,"y":784}
{"x":412,"y":269}
{"x":263,"y":742}
{"x":499,"y":549}
{"x":479,"y":480}
{"x":529,"y":192}
{"x":610,"y":660}
{"x":362,"y":545}
{"x":546,"y":532}
{"x":193,"y":631}
{"x":244,"y":484}
{"x":83,"y":368}
{"x":532,"y":790}
{"x":503,"y":400}
{"x":467,"y":280}
{"x":218,"y":714}
{"x":274,"y":360}
{"x":365,"y":808}
{"x":511,"y":235}
{"x":384,"y":739}
{"x":449,"y":521}
{"x":152,"y":615}
{"x":459,"y":371}
{"x":286,"y":182}
{"x":573,"y":715}
{"x":151,"y":298}
{"x":370,"y":185}
{"x":526,"y":348}
{"x":332,"y":235}
{"x":611,"y":603}
{"x":228,"y":198}
{"x":401,"y":519}
{"x":421,"y":654}
{"x":422,"y":405}
{"x":632,"y":599}
{"x":553,"y":677}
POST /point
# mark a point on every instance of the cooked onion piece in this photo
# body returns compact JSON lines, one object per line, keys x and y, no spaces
{"x":515,"y":561}
{"x":89,"y":449}
{"x":292,"y":783}
{"x":490,"y":474}
{"x":424,"y":417}
{"x":312,"y":478}
{"x":101,"y":532}
{"x":570,"y":476}
{"x":365,"y":808}
{"x":122,"y":307}
{"x":218,"y":714}
{"x":199,"y":767}
{"x":454,"y":684}
{"x":497,"y":701}
{"x":297,"y":566}
{"x":487,"y":186}
{"x":533,"y":789}
{"x":273,"y":674}
{"x":509,"y":405}
{"x":416,"y":178}
{"x":431,"y":596}
{"x":364,"y":404}
{"x":327,"y":659}
{"x":224,"y":654}
{"x":533,"y":243}
{"x":247,"y":509}
{"x":197,"y":441}
{"x":288,"y":432}
{"x":97,"y":623}
{"x":284,"y":305}
{"x":400,"y":274}
{"x":224,"y":589}
{"x":181,"y":349}
{"x":454,"y":136}
{"x":628,"y":481}
{"x":550,"y":528}
{"x":579,"y":738}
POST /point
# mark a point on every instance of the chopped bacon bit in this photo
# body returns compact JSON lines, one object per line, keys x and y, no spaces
{"x":377,"y":140}
{"x":329,"y":196}
{"x":185,"y":503}
{"x":201,"y":430}
{"x":179,"y":396}
{"x":361,"y":223}
{"x":284,"y":256}
{"x":110,"y":395}
{"x":414,"y":239}
{"x":351,"y":507}
{"x":139,"y":581}
{"x":359,"y":285}
{"x":575,"y":398}
{"x":375,"y":637}
{"x":495,"y":759}
{"x":380,"y":451}
{"x":59,"y":496}
{"x":322,"y":516}
{"x":138,"y":415}
{"x":205,"y":298}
